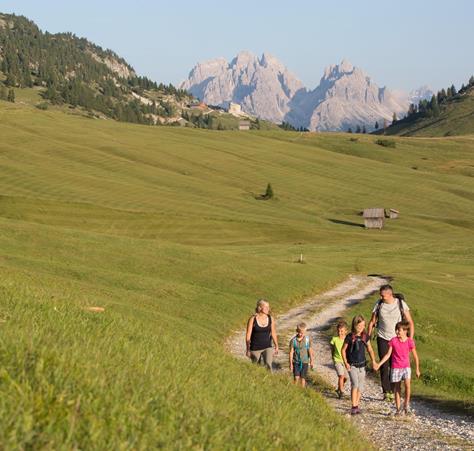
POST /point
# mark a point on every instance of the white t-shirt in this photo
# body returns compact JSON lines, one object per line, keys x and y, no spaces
{"x":389,"y":316}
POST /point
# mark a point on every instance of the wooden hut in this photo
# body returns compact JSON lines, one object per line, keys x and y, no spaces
{"x":244,"y":125}
{"x":374,"y":218}
{"x":393,"y":214}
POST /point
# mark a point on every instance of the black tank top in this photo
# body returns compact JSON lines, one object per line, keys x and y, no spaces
{"x":261,"y":337}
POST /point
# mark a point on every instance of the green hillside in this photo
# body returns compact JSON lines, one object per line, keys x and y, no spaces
{"x":161,"y":227}
{"x":456,"y":117}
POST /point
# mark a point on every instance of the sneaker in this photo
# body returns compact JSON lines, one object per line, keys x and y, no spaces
{"x":358,"y":411}
{"x":397,"y":413}
{"x":408,"y":411}
{"x":354,"y":410}
{"x":339,"y":394}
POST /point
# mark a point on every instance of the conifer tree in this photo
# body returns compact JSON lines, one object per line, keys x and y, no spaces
{"x":394,"y":118}
{"x":358,"y":129}
{"x":11,"y":95}
{"x":376,"y":125}
{"x":453,"y":90}
{"x":434,"y":106}
{"x":349,"y":130}
{"x":269,"y":192}
{"x":3,"y":93}
{"x":364,"y":130}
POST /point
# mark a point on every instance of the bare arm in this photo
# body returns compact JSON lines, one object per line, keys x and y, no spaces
{"x":248,"y":335}
{"x":311,"y":356}
{"x":383,"y":359}
{"x":372,"y":323}
{"x":274,"y":336}
{"x":409,"y":318}
{"x":371,"y":353}
{"x":344,"y":357}
{"x":417,"y":362}
{"x":292,"y":351}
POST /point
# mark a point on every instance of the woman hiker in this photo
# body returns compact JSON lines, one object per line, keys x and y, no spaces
{"x":387,"y":312}
{"x":261,"y":331}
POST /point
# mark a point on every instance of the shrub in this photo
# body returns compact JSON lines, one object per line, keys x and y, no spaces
{"x":386,"y":143}
{"x":42,"y":106}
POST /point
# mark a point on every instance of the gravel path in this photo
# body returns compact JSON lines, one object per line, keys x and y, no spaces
{"x":427,"y":429}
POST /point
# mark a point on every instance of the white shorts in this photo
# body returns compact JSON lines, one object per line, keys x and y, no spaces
{"x":400,"y":374}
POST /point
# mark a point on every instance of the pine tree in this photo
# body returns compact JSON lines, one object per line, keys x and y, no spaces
{"x":453,"y":90}
{"x":376,"y":125}
{"x":3,"y":93}
{"x":349,"y":130}
{"x":471,"y":80}
{"x":434,"y":106}
{"x":394,"y":118}
{"x":364,"y":130}
{"x":269,"y":192}
{"x":358,"y":129}
{"x":11,"y":95}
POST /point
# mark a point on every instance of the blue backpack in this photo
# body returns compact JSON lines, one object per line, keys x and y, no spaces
{"x":307,"y":345}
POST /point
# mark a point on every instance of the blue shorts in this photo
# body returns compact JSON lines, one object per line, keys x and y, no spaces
{"x":300,"y":371}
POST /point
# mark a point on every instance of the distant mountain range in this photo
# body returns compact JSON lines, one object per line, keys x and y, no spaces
{"x":346,"y":96}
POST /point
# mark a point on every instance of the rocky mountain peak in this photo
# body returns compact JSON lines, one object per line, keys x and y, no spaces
{"x":346,"y":96}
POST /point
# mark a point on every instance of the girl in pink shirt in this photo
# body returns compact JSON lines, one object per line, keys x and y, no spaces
{"x":399,"y":349}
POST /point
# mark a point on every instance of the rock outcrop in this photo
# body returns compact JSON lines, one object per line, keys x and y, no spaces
{"x":345,"y":97}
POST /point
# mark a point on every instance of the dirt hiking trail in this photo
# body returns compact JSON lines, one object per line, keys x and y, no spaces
{"x":427,"y":429}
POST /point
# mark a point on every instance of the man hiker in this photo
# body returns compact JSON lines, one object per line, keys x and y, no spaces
{"x":387,"y":312}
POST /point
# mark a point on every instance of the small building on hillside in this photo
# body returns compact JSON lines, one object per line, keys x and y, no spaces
{"x":235,"y":109}
{"x":393,"y":214}
{"x":244,"y":125}
{"x":374,"y":218}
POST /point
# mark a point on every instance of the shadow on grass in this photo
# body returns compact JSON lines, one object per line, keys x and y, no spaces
{"x":348,"y":223}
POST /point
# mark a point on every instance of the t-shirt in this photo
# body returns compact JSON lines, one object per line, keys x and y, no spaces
{"x":337,"y":343}
{"x":401,"y":352}
{"x":301,"y":353}
{"x":355,"y":352}
{"x":389,"y":316}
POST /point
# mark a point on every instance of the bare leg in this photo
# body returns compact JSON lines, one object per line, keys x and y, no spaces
{"x":303,"y":382}
{"x":296,"y":380}
{"x":355,"y":397}
{"x":397,"y":388}
{"x":340,"y":383}
{"x":407,"y":393}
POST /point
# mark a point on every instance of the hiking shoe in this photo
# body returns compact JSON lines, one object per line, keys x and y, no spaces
{"x":358,"y":411}
{"x":397,"y":413}
{"x":339,"y":394}
{"x":408,"y":411}
{"x":354,"y":410}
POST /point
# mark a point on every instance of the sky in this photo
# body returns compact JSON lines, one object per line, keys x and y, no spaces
{"x":401,"y":44}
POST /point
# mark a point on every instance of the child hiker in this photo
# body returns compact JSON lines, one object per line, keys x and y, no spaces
{"x":301,"y":355}
{"x":353,"y":354}
{"x":336,"y":346}
{"x":399,"y":349}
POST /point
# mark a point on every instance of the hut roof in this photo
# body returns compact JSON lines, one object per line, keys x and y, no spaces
{"x":395,"y":211}
{"x":374,"y":213}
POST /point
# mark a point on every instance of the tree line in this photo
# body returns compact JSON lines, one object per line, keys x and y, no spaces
{"x":74,"y":71}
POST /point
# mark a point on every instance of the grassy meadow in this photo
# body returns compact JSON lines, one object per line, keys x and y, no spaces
{"x":160,"y":226}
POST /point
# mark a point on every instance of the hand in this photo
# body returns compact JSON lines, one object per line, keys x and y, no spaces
{"x":375,"y":366}
{"x":247,"y":353}
{"x":348,"y":367}
{"x":418,"y":374}
{"x":311,"y":364}
{"x":291,"y":367}
{"x":276,"y":350}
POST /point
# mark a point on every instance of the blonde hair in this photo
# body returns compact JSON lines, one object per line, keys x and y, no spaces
{"x":301,"y":326}
{"x":260,"y":304}
{"x":355,"y":321}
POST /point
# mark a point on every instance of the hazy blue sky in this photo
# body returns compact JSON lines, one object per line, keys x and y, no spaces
{"x":401,"y":44}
